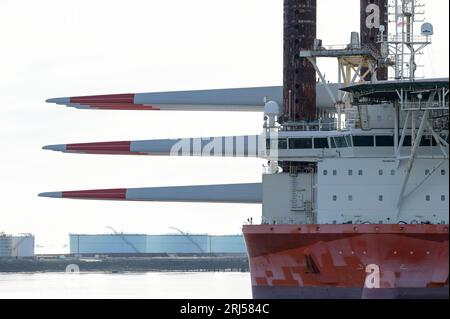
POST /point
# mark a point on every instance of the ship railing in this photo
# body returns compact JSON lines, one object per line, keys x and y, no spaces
{"x":328,"y":126}
{"x":267,"y":220}
{"x":419,"y":106}
{"x":350,"y":124}
{"x":320,"y":125}
{"x":341,"y":50}
{"x":400,"y":39}
{"x":332,"y":47}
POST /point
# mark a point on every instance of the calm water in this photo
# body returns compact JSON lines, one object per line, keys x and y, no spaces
{"x":148,"y":286}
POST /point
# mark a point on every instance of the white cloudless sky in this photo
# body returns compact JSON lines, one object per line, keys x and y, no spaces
{"x":53,"y":48}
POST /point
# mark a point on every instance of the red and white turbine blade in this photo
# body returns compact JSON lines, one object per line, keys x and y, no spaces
{"x":243,"y":99}
{"x":232,"y":193}
{"x":231,"y":146}
{"x":239,"y":99}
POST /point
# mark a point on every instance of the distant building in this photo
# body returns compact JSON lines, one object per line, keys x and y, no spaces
{"x":156,"y":244}
{"x":16,"y":246}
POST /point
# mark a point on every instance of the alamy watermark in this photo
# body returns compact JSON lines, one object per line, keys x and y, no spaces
{"x":264,"y":145}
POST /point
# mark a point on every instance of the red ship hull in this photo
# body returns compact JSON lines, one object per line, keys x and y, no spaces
{"x":348,"y":261}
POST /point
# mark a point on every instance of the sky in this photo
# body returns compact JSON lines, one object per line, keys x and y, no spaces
{"x":54,"y":48}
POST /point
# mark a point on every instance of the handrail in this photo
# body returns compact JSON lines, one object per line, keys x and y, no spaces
{"x":424,"y":105}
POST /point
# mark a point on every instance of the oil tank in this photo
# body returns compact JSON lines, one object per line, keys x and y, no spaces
{"x":155,"y":244}
{"x":227,"y":244}
{"x":22,"y":246}
{"x":374,"y":13}
{"x":299,"y":75}
{"x":107,"y":244}
{"x":177,"y":244}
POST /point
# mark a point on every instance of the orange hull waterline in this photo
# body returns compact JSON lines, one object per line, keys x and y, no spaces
{"x":348,"y":261}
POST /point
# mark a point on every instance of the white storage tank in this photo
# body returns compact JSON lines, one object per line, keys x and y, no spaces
{"x":227,"y":244}
{"x":22,"y":246}
{"x":107,"y":244}
{"x":178,"y":244}
{"x":5,"y":245}
{"x":156,"y":244}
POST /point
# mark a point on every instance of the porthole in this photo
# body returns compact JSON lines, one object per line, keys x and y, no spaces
{"x":427,"y":172}
{"x":334,"y":198}
{"x":334,"y":172}
{"x":443,"y":198}
{"x":443,"y":172}
{"x":325,"y":172}
{"x":393,"y":172}
{"x":380,"y":198}
{"x":360,"y":172}
{"x":380,"y":172}
{"x":350,"y":172}
{"x":428,"y":198}
{"x":350,"y":198}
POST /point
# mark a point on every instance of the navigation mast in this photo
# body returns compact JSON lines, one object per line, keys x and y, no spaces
{"x":400,"y":49}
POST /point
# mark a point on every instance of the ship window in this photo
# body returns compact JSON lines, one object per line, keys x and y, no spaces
{"x":282,"y":144}
{"x":348,"y":138}
{"x":427,"y":172}
{"x":334,"y":172}
{"x":385,"y":141}
{"x":380,"y":172}
{"x":393,"y":172}
{"x":340,"y":142}
{"x":300,"y":143}
{"x":428,"y":198}
{"x":325,"y":172}
{"x":350,"y":198}
{"x":333,"y":143}
{"x":407,"y":141}
{"x":443,"y":198}
{"x":380,"y":198}
{"x":360,"y":172}
{"x":363,"y":141}
{"x":334,"y":198}
{"x":321,"y":143}
{"x":443,"y":172}
{"x":427,"y":141}
{"x":350,"y":172}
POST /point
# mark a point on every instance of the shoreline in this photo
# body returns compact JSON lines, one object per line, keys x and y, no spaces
{"x":108,"y":264}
